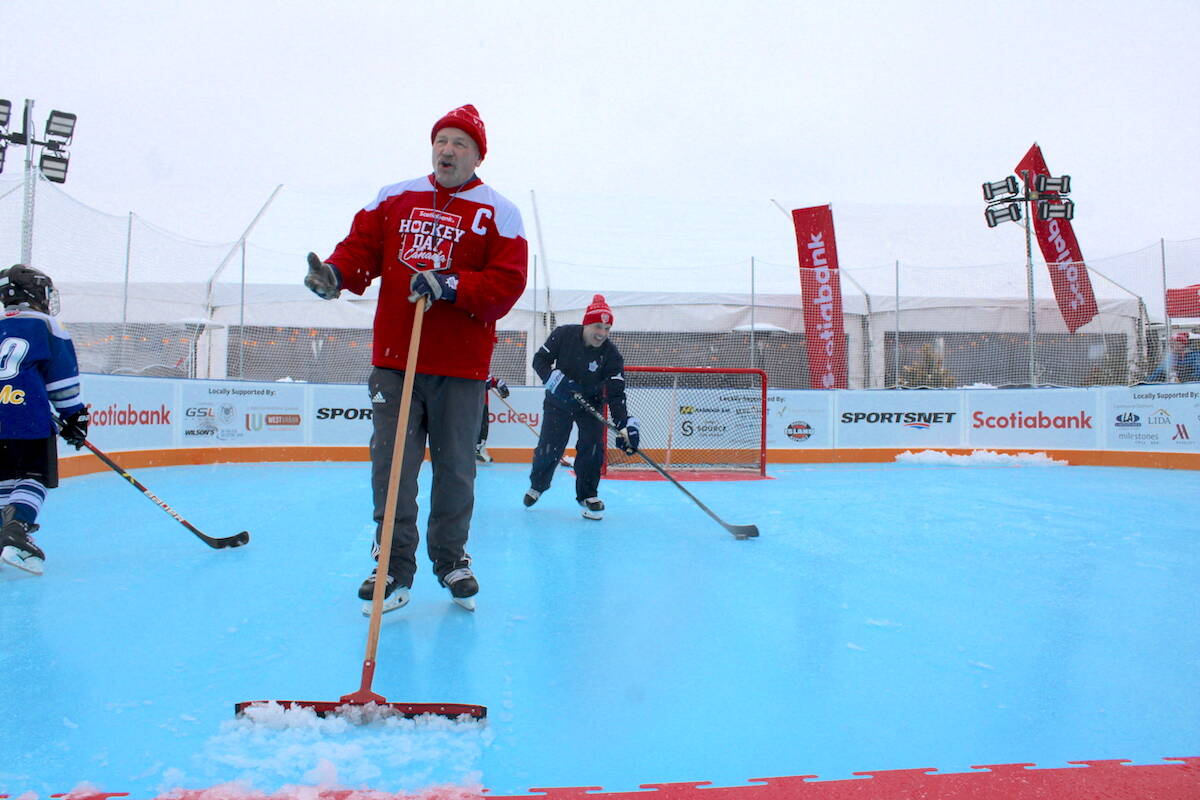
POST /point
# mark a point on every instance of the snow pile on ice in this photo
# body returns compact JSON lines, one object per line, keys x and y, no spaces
{"x":278,"y":749}
{"x":978,"y":458}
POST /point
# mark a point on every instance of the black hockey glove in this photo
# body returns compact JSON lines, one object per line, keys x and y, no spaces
{"x":74,"y":428}
{"x":433,"y":286}
{"x":628,"y":437}
{"x":500,"y":386}
{"x":561,"y":388}
{"x":322,"y":278}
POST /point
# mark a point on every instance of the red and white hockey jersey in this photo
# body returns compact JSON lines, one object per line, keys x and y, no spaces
{"x":472,"y":232}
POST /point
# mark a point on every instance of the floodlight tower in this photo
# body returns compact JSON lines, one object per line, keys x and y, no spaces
{"x":1004,"y":200}
{"x":59,"y":129}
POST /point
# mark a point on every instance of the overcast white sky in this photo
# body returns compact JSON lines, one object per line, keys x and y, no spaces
{"x":191,"y":113}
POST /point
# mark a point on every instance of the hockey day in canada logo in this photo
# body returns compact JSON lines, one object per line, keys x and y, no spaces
{"x":427,"y":238}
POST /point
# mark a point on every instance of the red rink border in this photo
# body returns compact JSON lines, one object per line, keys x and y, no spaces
{"x":1111,"y":779}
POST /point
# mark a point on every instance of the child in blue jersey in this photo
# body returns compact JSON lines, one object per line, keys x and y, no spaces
{"x":39,"y":380}
{"x":580,"y":359}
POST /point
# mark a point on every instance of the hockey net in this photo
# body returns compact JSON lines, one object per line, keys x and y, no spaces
{"x":696,"y":422}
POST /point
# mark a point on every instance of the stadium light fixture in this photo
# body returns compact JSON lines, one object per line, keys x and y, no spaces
{"x":60,"y":126}
{"x":1063,"y":210}
{"x":1044,"y":183}
{"x":54,"y":168}
{"x":1000,"y":189}
{"x":59,"y":130}
{"x":1002,"y":213}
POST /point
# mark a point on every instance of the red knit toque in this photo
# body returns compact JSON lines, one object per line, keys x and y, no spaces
{"x":465,"y":118}
{"x":598,"y":311}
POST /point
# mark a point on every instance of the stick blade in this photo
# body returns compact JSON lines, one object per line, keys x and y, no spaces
{"x":743,"y":531}
{"x":358,"y":711}
{"x":237,"y":540}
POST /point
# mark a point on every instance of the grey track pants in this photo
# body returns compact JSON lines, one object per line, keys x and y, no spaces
{"x":445,"y":414}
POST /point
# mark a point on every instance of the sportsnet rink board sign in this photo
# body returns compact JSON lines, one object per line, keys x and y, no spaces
{"x":908,"y":419}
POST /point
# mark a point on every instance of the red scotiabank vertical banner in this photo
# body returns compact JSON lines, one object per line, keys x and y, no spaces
{"x":1060,"y":248}
{"x":821,"y":294}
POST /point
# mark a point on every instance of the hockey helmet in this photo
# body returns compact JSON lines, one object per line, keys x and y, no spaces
{"x":22,"y":285}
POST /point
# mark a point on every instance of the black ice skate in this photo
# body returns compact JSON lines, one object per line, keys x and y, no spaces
{"x":593,"y":508}
{"x":531,"y":497}
{"x":463,"y":586}
{"x":482,"y":455}
{"x":394,"y":595}
{"x":16,"y":545}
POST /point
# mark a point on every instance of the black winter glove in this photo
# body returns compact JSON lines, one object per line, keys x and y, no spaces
{"x":74,"y":428}
{"x":322,"y":279}
{"x":433,"y":286}
{"x":500,"y":386}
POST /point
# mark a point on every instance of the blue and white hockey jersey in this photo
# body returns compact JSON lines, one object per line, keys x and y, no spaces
{"x":38,"y":372}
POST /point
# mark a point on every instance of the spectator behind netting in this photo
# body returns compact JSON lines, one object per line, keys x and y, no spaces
{"x":1181,"y":362}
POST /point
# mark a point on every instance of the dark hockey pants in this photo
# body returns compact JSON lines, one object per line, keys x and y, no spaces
{"x":444,"y":411}
{"x":589,"y":448}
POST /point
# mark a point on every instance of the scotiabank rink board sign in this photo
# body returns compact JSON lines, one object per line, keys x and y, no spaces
{"x":915,"y":419}
{"x":1156,"y":417}
{"x":1053,"y":419}
{"x":128,"y":413}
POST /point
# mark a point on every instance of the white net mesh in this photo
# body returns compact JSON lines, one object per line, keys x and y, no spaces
{"x":695,"y":419}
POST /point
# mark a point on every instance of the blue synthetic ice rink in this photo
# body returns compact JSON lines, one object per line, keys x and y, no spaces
{"x":890,"y":616}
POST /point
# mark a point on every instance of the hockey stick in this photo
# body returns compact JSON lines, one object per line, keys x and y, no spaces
{"x":237,"y":540}
{"x":566,"y":462}
{"x":738,"y":531}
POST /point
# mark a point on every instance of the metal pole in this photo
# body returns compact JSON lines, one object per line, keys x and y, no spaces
{"x":233,"y":250}
{"x":125,"y":290}
{"x":537,"y":222}
{"x":753,"y":353}
{"x":125,"y":293}
{"x":1029,"y":282}
{"x":241,"y":323}
{"x":1162,"y":250}
{"x":896,"y":343}
{"x":27,"y":223}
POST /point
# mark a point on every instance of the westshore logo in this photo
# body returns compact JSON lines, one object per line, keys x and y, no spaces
{"x":1026,"y":420}
{"x":257,"y":421}
{"x":115,"y":415}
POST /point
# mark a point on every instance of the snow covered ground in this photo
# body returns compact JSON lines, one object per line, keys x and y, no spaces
{"x":908,"y":615}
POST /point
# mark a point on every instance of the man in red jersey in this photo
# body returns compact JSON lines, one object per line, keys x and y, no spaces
{"x":448,"y":240}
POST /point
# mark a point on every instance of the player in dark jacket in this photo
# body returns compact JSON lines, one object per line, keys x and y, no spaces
{"x":580,"y":359}
{"x":39,"y":377}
